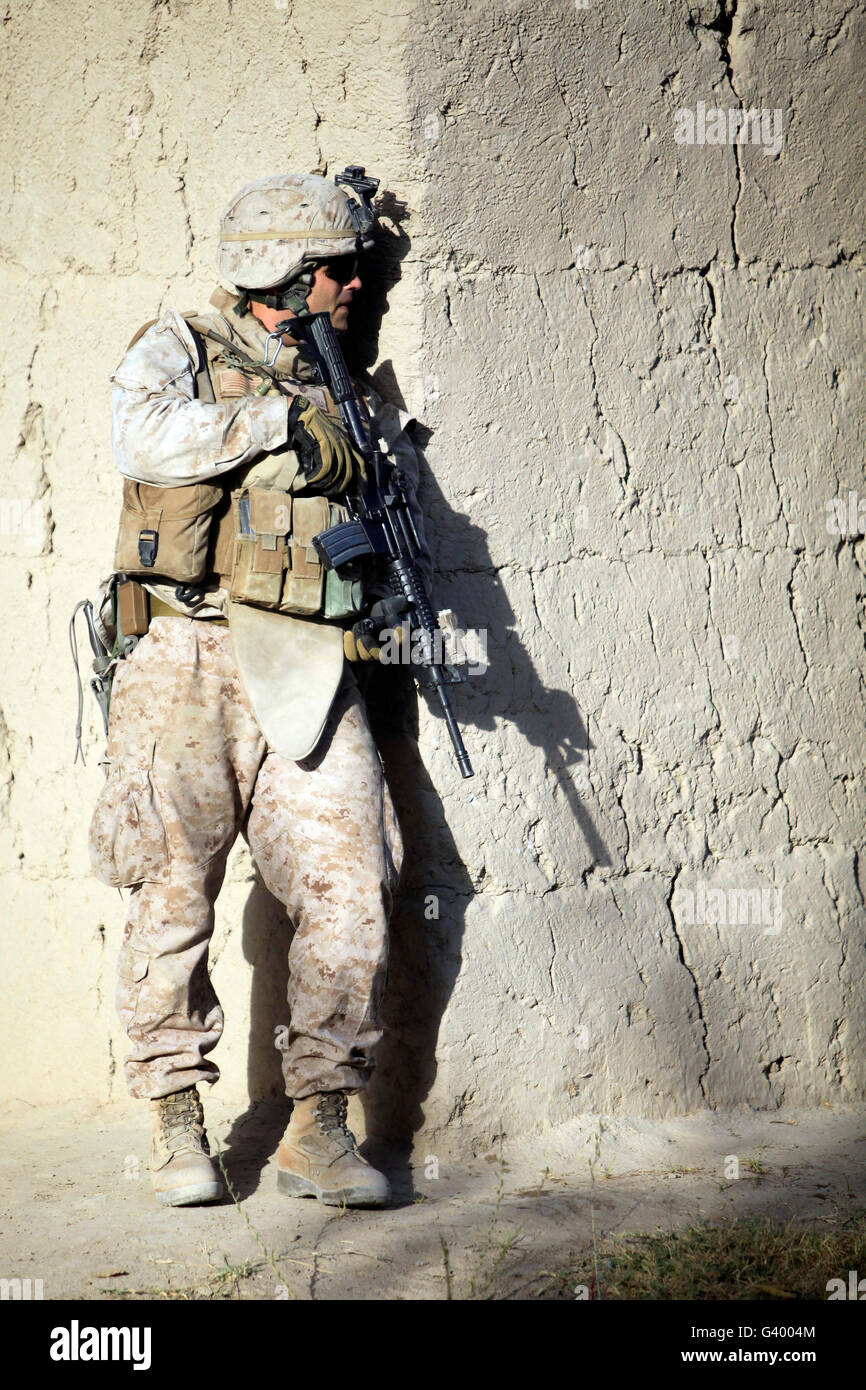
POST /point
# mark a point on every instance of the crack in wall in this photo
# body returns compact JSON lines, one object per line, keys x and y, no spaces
{"x":321,"y":163}
{"x":791,"y":602}
{"x":619,"y":453}
{"x":723,"y":25}
{"x":699,"y":1005}
{"x":771,"y":454}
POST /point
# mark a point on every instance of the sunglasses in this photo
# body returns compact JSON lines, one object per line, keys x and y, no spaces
{"x":342,"y":269}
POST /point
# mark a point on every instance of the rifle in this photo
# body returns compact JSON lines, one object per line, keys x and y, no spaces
{"x":381,"y":521}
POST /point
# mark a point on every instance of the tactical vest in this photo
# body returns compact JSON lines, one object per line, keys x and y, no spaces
{"x":249,"y":530}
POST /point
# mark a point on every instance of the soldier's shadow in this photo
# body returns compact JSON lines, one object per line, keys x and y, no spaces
{"x":436,"y":885}
{"x":427,"y":924}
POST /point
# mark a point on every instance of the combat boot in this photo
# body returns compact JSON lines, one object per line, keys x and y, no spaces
{"x":181,"y":1169}
{"x":318,"y":1157}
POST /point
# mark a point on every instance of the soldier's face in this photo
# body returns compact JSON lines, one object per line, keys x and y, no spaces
{"x":333,"y":287}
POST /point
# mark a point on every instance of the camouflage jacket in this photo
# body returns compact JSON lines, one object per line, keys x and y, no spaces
{"x":163,"y":434}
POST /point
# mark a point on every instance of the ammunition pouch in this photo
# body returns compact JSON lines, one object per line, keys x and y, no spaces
{"x":166,"y":531}
{"x":275,"y":563}
{"x":257,"y":538}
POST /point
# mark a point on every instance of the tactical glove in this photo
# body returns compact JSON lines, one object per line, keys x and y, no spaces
{"x":361,"y":642}
{"x":329,"y":460}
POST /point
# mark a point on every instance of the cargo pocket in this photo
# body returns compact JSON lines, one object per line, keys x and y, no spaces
{"x":134,"y":967}
{"x":127,"y":836}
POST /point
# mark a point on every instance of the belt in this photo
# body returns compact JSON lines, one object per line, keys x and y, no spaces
{"x":158,"y":609}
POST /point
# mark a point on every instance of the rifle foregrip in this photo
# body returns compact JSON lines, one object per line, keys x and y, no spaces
{"x":407,"y":582}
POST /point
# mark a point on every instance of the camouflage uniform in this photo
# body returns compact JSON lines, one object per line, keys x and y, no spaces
{"x":188,"y":767}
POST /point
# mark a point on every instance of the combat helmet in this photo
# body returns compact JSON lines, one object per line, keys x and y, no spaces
{"x":275,"y":230}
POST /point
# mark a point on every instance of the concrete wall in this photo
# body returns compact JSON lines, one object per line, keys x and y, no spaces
{"x":632,"y":347}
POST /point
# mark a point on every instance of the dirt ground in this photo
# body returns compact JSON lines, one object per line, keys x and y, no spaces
{"x":82,"y":1218}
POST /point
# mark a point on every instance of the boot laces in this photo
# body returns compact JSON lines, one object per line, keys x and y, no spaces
{"x":181,"y":1121}
{"x":332,"y":1109}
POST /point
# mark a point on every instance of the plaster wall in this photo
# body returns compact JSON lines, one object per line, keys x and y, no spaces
{"x":636,"y":362}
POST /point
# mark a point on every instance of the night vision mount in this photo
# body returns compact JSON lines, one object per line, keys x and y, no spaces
{"x":362,"y":212}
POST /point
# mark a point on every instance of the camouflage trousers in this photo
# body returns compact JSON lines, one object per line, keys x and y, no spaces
{"x":188,"y":768}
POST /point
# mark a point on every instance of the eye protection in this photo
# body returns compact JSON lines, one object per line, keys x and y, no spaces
{"x":342,"y":269}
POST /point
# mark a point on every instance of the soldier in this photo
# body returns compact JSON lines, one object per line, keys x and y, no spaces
{"x":237,"y":709}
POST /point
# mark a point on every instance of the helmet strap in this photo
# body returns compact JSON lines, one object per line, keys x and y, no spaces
{"x":292,"y":295}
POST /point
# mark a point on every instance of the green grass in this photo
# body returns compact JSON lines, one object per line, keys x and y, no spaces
{"x":754,"y":1165}
{"x":723,"y":1260}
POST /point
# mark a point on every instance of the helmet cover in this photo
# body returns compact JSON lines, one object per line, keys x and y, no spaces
{"x":276,"y":227}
